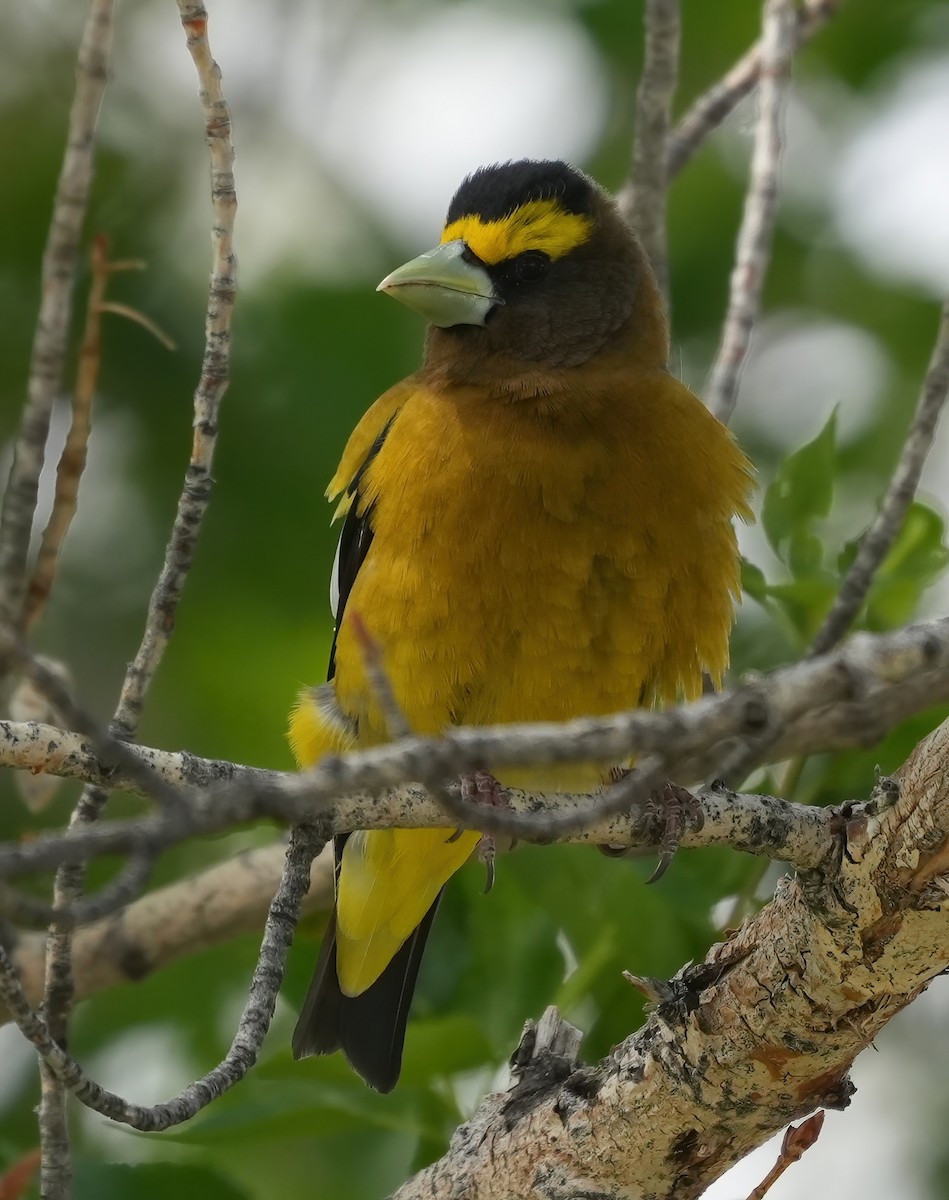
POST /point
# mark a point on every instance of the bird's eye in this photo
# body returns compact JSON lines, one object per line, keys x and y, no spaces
{"x":530,"y":266}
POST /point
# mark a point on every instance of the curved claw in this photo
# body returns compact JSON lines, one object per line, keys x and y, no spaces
{"x":486,"y":854}
{"x":662,"y":865}
{"x":609,"y":851}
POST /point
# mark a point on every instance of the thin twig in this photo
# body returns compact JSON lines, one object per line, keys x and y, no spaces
{"x":214,"y":378}
{"x":710,"y":110}
{"x":627,"y":795}
{"x":115,"y":753}
{"x":252,"y":1028}
{"x":396,"y":722}
{"x":757,"y":824}
{"x":881,"y":535}
{"x":130,"y":882}
{"x":642,"y":199}
{"x":139,"y":318}
{"x":72,"y":461}
{"x":60,"y":258}
{"x":28,"y":702}
{"x":761,"y":200}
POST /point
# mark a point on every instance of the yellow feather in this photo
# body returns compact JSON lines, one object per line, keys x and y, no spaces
{"x":523,"y":568}
{"x":390,"y":879}
{"x":542,"y":225}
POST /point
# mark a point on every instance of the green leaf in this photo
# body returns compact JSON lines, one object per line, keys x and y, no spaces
{"x":917,"y":557}
{"x":919,"y":548}
{"x":316,"y":1104}
{"x":753,"y":580}
{"x":596,"y":958}
{"x":805,"y":602}
{"x":805,"y":554}
{"x":803,"y":489}
{"x":150,"y":1181}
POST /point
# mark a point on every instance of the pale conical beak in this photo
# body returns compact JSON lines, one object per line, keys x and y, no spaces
{"x":444,"y":288}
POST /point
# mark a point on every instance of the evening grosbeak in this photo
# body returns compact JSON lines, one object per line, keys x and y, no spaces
{"x":537,"y":526}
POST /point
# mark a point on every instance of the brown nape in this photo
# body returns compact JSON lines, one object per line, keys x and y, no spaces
{"x":600,"y":301}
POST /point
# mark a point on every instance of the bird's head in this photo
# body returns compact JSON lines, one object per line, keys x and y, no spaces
{"x":535,"y":265}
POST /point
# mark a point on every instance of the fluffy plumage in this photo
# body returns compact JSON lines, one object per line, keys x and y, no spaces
{"x":538,"y":526}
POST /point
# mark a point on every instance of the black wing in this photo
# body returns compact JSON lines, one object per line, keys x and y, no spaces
{"x":369,"y":1028}
{"x":354,"y":541}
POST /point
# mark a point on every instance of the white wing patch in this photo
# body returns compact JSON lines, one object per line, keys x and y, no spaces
{"x":334,"y":582}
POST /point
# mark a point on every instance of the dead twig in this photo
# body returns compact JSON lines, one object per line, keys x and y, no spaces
{"x":213,"y":381}
{"x":48,"y":356}
{"x":72,"y":461}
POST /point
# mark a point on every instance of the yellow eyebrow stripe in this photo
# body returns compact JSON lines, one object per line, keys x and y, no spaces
{"x":538,"y":225}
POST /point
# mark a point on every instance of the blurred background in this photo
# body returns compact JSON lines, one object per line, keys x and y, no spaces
{"x":354,"y":122}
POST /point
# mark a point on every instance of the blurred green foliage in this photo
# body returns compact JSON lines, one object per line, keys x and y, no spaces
{"x":309,"y":355}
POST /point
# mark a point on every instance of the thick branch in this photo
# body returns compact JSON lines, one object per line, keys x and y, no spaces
{"x":761,"y":1033}
{"x":865,"y":688}
{"x":172,"y":923}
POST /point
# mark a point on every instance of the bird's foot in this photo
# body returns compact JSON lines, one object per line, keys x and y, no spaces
{"x":480,"y":787}
{"x":677,"y":808}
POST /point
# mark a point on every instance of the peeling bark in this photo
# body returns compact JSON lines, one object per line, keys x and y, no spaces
{"x":761,"y":1033}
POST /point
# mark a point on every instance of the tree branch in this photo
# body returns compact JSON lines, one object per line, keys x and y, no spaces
{"x":762,"y":1032}
{"x":710,"y":110}
{"x":212,"y":383}
{"x":642,"y":199}
{"x":251,"y":1030}
{"x":52,"y":327}
{"x":172,"y":923}
{"x":881,"y":535}
{"x":47,"y":361}
{"x":866,"y":687}
{"x":70,"y":877}
{"x":72,"y":461}
{"x":753,"y":250}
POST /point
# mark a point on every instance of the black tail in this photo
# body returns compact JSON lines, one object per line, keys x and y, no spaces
{"x":368,"y":1028}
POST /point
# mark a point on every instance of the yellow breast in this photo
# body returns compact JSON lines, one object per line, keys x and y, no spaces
{"x":525,"y":568}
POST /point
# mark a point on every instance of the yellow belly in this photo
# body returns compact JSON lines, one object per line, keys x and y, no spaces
{"x":523,"y":570}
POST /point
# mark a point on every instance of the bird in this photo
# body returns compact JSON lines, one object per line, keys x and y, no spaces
{"x":537,"y":525}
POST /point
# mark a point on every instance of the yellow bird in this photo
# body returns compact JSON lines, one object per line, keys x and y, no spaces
{"x":538,"y":526}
